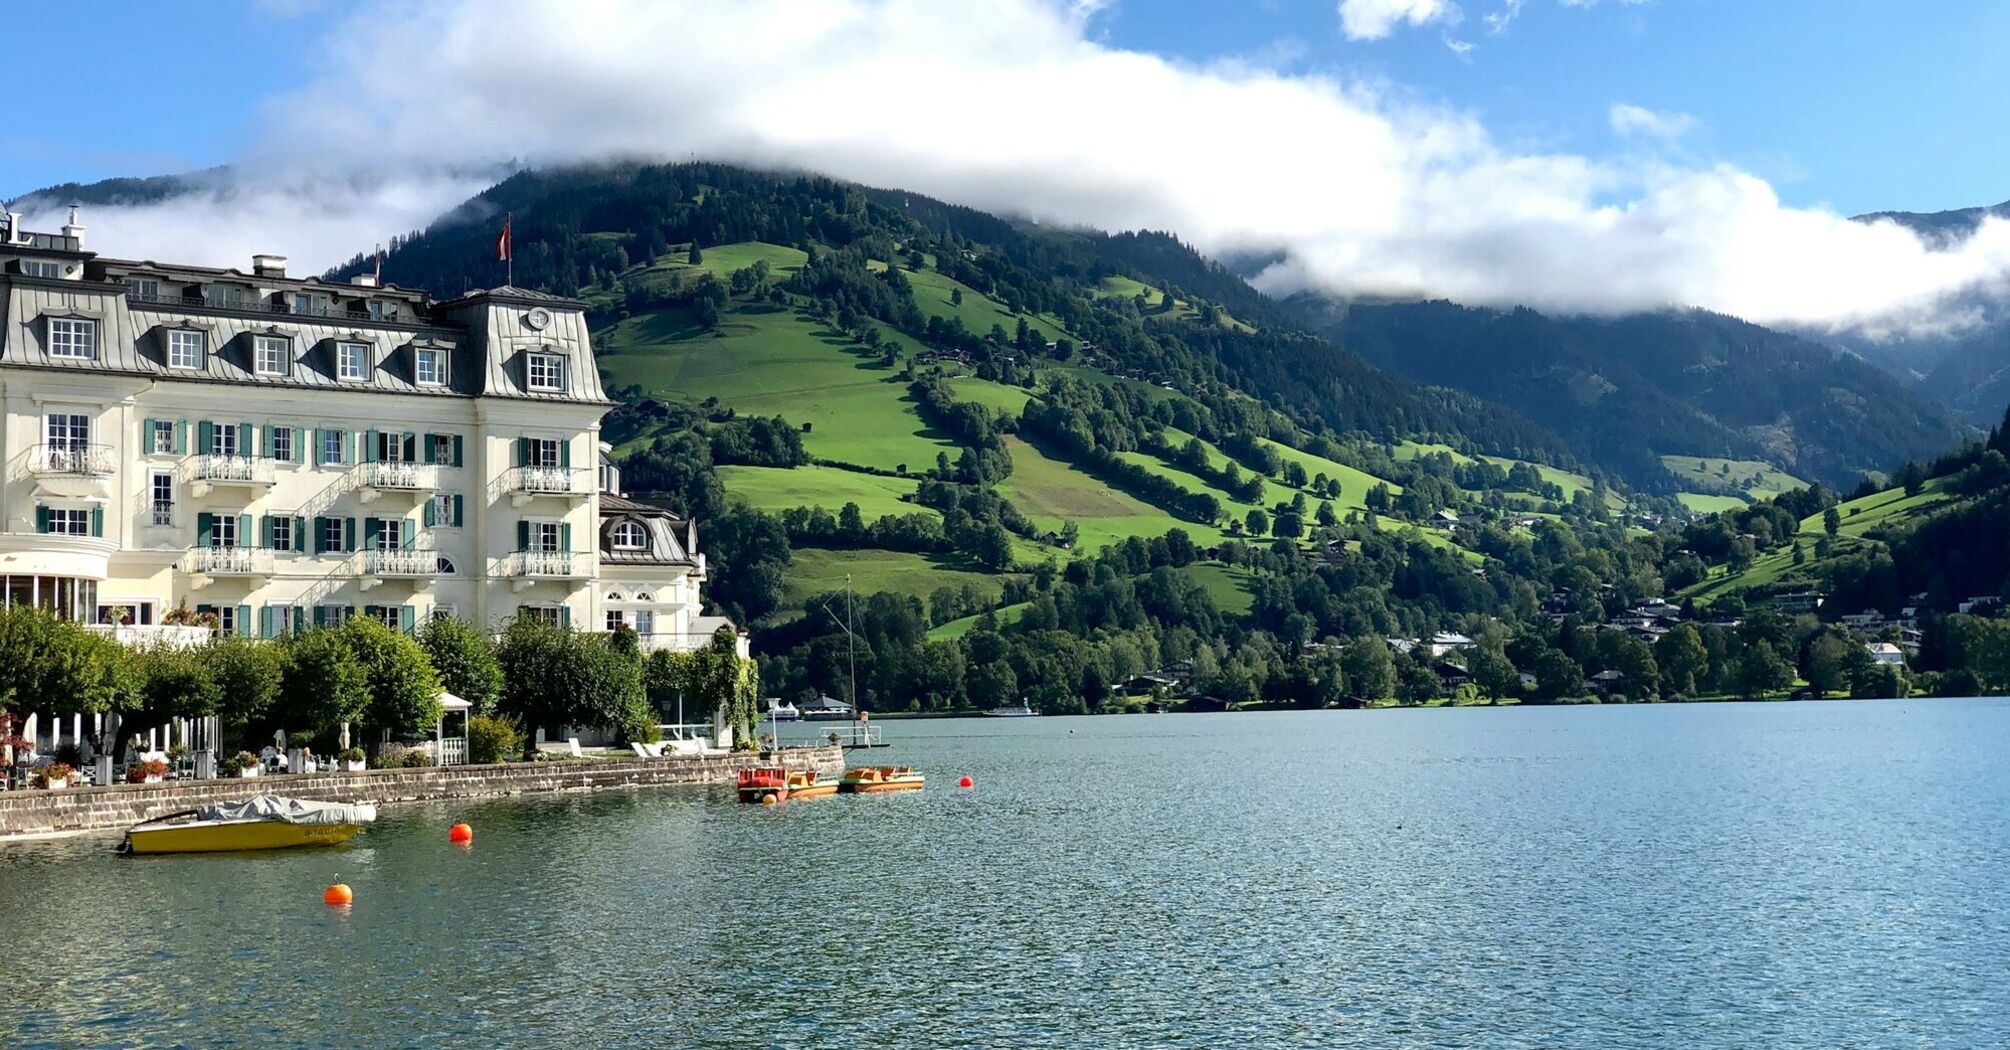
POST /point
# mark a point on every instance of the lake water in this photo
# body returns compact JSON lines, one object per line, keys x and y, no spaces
{"x":1765,"y":875}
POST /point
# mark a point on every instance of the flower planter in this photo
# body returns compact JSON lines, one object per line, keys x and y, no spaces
{"x":248,"y":771}
{"x":356,"y":767}
{"x":58,"y":785}
{"x":153,"y":780}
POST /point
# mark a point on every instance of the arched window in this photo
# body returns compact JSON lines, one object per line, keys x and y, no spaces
{"x":643,"y":596}
{"x":613,"y":596}
{"x":446,"y":566}
{"x":628,"y":536}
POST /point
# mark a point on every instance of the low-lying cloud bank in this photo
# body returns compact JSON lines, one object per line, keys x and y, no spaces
{"x":1012,"y":105}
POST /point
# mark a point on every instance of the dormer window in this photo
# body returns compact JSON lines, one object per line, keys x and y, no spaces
{"x":628,"y":536}
{"x":184,"y":348}
{"x":547,"y":372}
{"x":381,"y":310}
{"x":41,"y":268}
{"x":305,"y":304}
{"x":352,"y":361}
{"x":145,"y":288}
{"x":271,"y":354}
{"x":73,"y":337}
{"x":430,"y":367}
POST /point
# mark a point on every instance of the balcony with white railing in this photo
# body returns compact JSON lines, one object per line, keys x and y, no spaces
{"x":214,"y":470}
{"x":211,"y":562}
{"x":375,"y":479}
{"x":421,"y":566}
{"x":73,"y":469}
{"x":527,"y":483}
{"x":528,"y":567}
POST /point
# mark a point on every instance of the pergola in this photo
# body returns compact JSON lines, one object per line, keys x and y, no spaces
{"x":451,"y":751}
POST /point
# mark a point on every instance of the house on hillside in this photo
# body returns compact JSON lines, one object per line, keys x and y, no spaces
{"x":1151,"y":683}
{"x":1444,"y":642}
{"x":1886,"y":653}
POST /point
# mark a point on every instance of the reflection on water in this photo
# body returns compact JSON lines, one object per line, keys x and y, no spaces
{"x":1810,"y":875}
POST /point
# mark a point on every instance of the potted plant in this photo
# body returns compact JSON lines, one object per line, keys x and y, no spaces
{"x":247,"y":764}
{"x":230,"y":767}
{"x":146,"y":771}
{"x":354,"y":760}
{"x":118,"y":616}
{"x":55,"y":776}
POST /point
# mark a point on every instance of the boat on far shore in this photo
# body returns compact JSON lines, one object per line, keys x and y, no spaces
{"x":1009,"y":711}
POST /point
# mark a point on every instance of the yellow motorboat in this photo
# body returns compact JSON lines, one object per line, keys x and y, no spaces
{"x":262,"y":822}
{"x":870,"y":780}
{"x":807,"y":784}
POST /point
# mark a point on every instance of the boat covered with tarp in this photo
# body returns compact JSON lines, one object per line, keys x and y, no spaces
{"x":259,"y":822}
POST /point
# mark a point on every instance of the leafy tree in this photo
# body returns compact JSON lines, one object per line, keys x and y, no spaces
{"x":1257,"y":522}
{"x":1831,"y":521}
{"x":52,"y":664}
{"x":1684,"y":660}
{"x":1494,"y":673}
{"x":1370,"y":670}
{"x":1827,"y":664}
{"x":1761,"y":670}
{"x":465,"y":661}
{"x":247,"y":675}
{"x":1557,"y":676}
{"x":555,"y":676}
{"x":404,"y":689}
{"x":322,"y":682}
{"x":171,"y":682}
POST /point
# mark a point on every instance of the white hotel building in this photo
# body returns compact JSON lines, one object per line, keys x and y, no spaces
{"x":286,"y":451}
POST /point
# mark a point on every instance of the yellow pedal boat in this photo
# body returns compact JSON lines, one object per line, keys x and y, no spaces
{"x":263,"y":822}
{"x":806,"y":784}
{"x":870,"y":780}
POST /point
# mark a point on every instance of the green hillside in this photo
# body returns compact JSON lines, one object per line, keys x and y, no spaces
{"x":1703,"y":477}
{"x":1858,"y":519}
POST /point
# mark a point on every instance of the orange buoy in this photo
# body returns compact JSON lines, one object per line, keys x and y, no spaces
{"x":966,"y":782}
{"x":769,"y":800}
{"x":338,"y":895}
{"x":460,"y":834}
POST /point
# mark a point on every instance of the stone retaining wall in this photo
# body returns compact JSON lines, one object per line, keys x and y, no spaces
{"x":122,"y":805}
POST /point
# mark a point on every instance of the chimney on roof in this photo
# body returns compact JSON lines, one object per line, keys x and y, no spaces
{"x":268,"y":266}
{"x":74,"y":229}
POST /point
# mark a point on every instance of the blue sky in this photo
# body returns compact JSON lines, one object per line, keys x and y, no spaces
{"x":1858,"y":104}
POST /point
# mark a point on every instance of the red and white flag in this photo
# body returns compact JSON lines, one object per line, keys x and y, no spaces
{"x":502,"y":242}
{"x":380,"y":265}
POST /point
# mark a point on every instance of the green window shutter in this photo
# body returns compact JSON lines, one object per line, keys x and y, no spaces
{"x":348,"y":534}
{"x":371,"y":527}
{"x":363,"y":446}
{"x":412,"y":447}
{"x":426,"y":450}
{"x":522,"y":535}
{"x":265,"y":621}
{"x":299,"y":617}
{"x":341,"y":447}
{"x":432,"y":513}
{"x":98,"y":521}
{"x":203,"y":529}
{"x":299,"y":536}
{"x":244,"y":620}
{"x":146,"y":436}
{"x":457,"y":498}
{"x":565,"y":616}
{"x":565,"y":536}
{"x":565,"y":455}
{"x":314,"y":435}
{"x":523,"y":452}
{"x":244,"y":445}
{"x":181,"y":437}
{"x":457,"y":454}
{"x":41,"y":518}
{"x":205,"y":437}
{"x":266,"y":526}
{"x":205,"y":610}
{"x":244,"y":535}
{"x":320,"y":537}
{"x":269,"y":428}
{"x":408,"y":618}
{"x":320,"y":616}
{"x":411,"y":536}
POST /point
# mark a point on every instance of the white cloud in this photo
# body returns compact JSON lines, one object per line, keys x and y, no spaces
{"x":1629,"y":119}
{"x":1497,"y":22}
{"x":1375,"y":19}
{"x":1007,"y":105}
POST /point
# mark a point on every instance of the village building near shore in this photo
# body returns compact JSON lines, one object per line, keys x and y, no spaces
{"x":281,"y":452}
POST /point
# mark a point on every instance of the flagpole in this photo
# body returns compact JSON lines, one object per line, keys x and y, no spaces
{"x":509,"y":250}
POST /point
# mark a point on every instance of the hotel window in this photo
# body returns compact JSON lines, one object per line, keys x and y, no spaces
{"x":331,"y":446}
{"x":161,"y":440}
{"x":143,"y":288}
{"x":161,"y":488}
{"x":40,"y":268}
{"x":544,"y":614}
{"x":223,"y":530}
{"x":73,"y":337}
{"x":272,"y":354}
{"x":615,"y":621}
{"x":331,"y":535}
{"x":67,"y":431}
{"x":222,"y":439}
{"x":304,"y":304}
{"x":282,"y":532}
{"x":543,"y":453}
{"x":353,"y":361}
{"x":645,"y":622}
{"x":390,"y":533}
{"x":332,"y":615}
{"x":184,"y":348}
{"x":282,"y":444}
{"x":226,"y":619}
{"x":442,"y":515}
{"x":285,"y":619}
{"x":381,"y":311}
{"x":545,"y":537}
{"x":628,"y":536}
{"x":69,"y":522}
{"x":388,"y":615}
{"x":432,"y":368}
{"x":441,"y":612}
{"x":443,"y":449}
{"x":547,"y":372}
